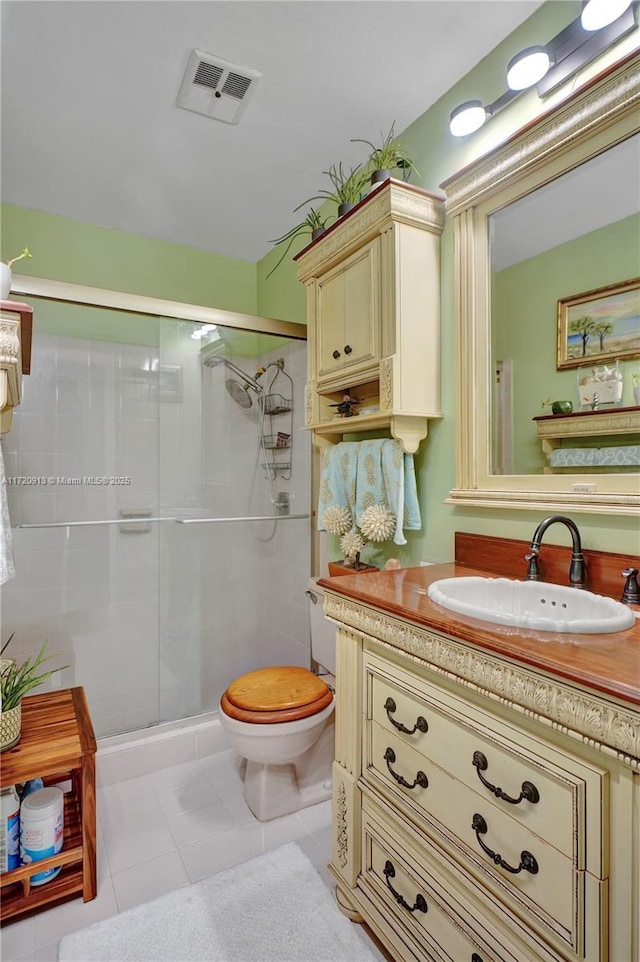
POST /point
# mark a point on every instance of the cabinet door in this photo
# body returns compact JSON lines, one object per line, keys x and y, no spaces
{"x":348,"y":316}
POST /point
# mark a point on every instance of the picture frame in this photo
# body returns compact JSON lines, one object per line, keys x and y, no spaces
{"x":599,"y":325}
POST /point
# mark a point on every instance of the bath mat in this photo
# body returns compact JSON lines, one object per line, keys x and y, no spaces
{"x":274,"y":908}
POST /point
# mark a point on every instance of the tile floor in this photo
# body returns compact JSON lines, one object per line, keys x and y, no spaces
{"x":164,"y":830}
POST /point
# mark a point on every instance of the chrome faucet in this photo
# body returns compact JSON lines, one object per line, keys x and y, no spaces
{"x":577,"y":570}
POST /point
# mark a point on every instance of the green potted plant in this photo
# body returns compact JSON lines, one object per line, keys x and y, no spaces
{"x":5,"y":273}
{"x":390,"y":155}
{"x":15,"y":683}
{"x":558,"y":407}
{"x":313,"y":224}
{"x":348,"y":187}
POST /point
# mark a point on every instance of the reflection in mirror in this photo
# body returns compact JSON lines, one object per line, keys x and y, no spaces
{"x":514,"y":282}
{"x":578,"y":233}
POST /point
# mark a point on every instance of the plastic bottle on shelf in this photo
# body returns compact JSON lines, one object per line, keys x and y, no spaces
{"x":42,"y":830}
{"x":10,"y":829}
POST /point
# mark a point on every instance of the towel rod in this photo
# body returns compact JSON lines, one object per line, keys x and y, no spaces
{"x":75,"y":524}
{"x":264,"y":517}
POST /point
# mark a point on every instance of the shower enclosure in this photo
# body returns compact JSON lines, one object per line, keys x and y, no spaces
{"x":159,"y":506}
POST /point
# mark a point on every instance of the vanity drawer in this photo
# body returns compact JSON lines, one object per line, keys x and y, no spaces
{"x":413,"y":893}
{"x":550,"y":793}
{"x":501,"y":852}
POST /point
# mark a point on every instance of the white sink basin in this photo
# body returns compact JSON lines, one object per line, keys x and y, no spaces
{"x":531,"y":604}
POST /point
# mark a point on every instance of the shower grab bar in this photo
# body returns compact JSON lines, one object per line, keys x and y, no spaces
{"x":75,"y":524}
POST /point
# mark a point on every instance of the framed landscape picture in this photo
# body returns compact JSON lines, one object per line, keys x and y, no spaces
{"x":599,"y":325}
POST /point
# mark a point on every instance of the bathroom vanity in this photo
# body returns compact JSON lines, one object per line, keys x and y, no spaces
{"x":486,"y":784}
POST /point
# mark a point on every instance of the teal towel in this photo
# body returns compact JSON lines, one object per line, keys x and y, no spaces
{"x":386,"y":475}
{"x":357,"y":474}
{"x":338,"y":478}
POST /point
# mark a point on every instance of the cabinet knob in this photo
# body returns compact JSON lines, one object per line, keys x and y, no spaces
{"x":347,"y":349}
{"x":336,"y":355}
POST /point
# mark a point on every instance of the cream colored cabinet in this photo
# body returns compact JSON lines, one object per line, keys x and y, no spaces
{"x":348,"y":312}
{"x":465,"y":828}
{"x":373,"y":316}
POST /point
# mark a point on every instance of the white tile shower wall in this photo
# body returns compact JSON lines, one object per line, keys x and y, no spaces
{"x":259,"y":569}
{"x":153,"y":625}
{"x":91,"y":592}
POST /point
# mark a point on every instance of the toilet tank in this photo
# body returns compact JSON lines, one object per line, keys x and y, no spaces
{"x":323,"y":632}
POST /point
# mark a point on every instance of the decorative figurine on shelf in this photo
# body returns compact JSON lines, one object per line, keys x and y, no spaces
{"x":345,"y":406}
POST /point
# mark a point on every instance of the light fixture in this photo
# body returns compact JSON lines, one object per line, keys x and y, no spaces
{"x":602,"y":24}
{"x":207,"y":330}
{"x":527,"y":68}
{"x":467,"y":118}
{"x":600,"y":13}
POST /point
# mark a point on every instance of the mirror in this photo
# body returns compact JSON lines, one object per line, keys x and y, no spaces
{"x":578,"y":233}
{"x":547,"y":233}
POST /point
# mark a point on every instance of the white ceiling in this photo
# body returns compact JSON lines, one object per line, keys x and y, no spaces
{"x":90,"y":129}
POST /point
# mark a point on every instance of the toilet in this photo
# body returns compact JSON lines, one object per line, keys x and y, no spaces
{"x":281,"y":720}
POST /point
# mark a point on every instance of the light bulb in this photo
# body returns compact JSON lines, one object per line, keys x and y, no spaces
{"x":466,"y":118}
{"x":527,"y":68}
{"x":600,"y":13}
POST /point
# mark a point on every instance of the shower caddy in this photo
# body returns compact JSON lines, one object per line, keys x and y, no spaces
{"x":274,"y":442}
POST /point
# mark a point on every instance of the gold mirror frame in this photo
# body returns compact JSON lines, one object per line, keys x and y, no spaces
{"x":603,"y":113}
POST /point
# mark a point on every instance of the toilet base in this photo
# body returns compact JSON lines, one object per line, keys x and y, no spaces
{"x":274,"y":790}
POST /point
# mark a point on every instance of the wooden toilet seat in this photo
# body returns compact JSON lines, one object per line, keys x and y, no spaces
{"x":272,"y":695}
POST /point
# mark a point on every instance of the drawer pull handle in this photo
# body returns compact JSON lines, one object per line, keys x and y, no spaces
{"x":335,"y":355}
{"x":528,"y":790}
{"x":420,"y":725}
{"x":421,"y":778}
{"x":347,"y":349}
{"x":527,"y":860}
{"x":420,"y":904}
{"x":476,"y":958}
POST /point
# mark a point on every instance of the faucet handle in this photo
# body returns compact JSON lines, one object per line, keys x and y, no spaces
{"x":533,"y":573}
{"x":631,"y":591}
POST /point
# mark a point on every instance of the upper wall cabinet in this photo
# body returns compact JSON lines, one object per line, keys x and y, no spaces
{"x":15,"y":357}
{"x":546,"y":236}
{"x":373,"y":316}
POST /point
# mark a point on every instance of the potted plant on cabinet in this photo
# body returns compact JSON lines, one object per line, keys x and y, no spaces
{"x":313,"y":224}
{"x":390,"y":155}
{"x":377,"y":523}
{"x":6,"y":275}
{"x":15,"y":683}
{"x":347,"y":187}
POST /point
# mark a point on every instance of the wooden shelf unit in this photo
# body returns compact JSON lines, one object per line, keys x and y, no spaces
{"x":57,"y":744}
{"x":609,"y":422}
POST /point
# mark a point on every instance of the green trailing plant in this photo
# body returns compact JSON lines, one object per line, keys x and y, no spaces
{"x":16,"y":682}
{"x":25,"y":252}
{"x":389,"y":155}
{"x":312,"y":222}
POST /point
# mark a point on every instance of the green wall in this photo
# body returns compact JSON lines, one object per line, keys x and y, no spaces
{"x":68,"y":250}
{"x":86,"y":254}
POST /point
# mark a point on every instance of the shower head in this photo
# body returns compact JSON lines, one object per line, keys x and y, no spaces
{"x":238,"y":386}
{"x":239,"y":392}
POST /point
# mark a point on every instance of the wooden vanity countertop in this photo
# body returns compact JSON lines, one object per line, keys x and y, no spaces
{"x":608,"y":663}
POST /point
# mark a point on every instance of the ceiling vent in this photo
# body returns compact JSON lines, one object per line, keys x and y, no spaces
{"x":217,"y":88}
